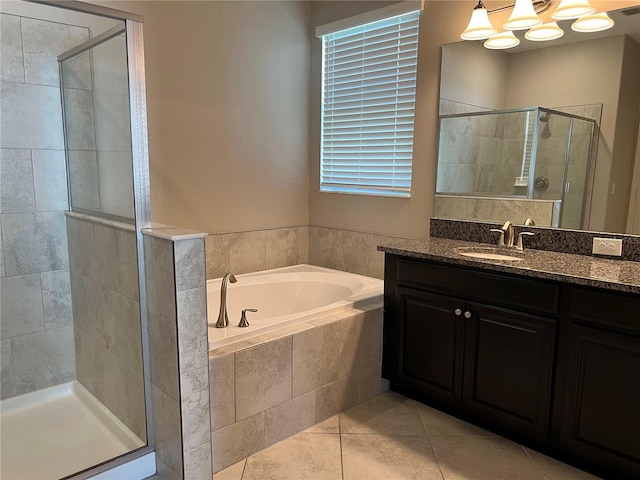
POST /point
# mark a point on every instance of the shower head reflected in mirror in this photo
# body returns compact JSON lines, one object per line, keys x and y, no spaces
{"x":544,"y":118}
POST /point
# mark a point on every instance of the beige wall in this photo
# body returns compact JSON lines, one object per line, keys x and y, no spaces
{"x":624,"y":153}
{"x":226,"y":78}
{"x":227,"y":101}
{"x":461,"y":81}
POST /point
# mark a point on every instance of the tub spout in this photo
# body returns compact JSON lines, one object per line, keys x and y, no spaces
{"x":223,"y":318}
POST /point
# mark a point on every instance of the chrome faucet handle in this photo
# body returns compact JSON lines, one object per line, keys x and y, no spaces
{"x":520,"y":245}
{"x":501,"y":239}
{"x":243,"y":318}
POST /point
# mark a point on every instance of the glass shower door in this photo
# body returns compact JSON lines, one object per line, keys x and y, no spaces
{"x":97,"y":127}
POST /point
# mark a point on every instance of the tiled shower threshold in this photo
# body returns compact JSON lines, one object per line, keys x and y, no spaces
{"x":58,"y":431}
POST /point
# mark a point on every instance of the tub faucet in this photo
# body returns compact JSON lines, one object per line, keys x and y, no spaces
{"x":223,"y":318}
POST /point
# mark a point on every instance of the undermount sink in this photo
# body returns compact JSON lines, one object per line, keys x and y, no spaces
{"x":487,"y":253}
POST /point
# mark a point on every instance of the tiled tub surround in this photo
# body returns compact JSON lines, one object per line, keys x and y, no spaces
{"x":244,"y":252}
{"x":551,"y":239}
{"x":616,"y":275}
{"x":266,"y":389}
{"x":177,"y":305}
{"x":106,"y":315}
{"x":546,"y":212}
{"x":36,"y":319}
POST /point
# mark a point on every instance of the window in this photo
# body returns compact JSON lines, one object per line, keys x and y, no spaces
{"x":368,"y":100}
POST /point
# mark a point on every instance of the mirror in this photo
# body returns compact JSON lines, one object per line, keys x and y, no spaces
{"x":566,"y":85}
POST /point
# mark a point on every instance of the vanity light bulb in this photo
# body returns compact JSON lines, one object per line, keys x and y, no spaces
{"x":593,"y":23}
{"x":544,"y":32}
{"x":502,"y":41}
{"x":480,"y":26}
{"x":523,"y":17}
{"x":572,"y":9}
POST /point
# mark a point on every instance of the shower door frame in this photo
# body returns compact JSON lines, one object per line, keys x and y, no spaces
{"x":133,"y":29}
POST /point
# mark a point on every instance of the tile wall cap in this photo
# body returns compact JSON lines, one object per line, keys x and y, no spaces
{"x":173,"y":233}
{"x":102,"y":221}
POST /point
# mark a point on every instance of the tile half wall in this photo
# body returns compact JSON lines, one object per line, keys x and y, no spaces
{"x":245,"y":252}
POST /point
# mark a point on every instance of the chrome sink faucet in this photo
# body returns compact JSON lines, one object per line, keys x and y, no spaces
{"x":223,"y":318}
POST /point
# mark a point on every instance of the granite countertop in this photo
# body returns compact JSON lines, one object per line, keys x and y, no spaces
{"x":619,"y":275}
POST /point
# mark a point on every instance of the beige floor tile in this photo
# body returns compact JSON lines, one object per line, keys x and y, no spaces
{"x":303,"y":456}
{"x":330,"y":425}
{"x":234,"y":472}
{"x":439,"y":423}
{"x":483,"y":458}
{"x":384,"y":414}
{"x":391,"y":457}
{"x":553,"y":469}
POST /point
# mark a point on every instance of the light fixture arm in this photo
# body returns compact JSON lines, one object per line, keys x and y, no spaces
{"x":540,"y":6}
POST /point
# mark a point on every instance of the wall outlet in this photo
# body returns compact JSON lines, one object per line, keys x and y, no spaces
{"x":607,"y":246}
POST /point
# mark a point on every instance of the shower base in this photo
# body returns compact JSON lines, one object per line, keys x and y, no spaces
{"x":57,"y":431}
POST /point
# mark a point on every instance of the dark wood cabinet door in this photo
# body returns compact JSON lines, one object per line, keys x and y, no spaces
{"x":508,"y":369}
{"x":431,"y":343}
{"x":601,"y":415}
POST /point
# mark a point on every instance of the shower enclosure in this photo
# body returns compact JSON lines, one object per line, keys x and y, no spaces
{"x":534,"y":162}
{"x":75,"y":198}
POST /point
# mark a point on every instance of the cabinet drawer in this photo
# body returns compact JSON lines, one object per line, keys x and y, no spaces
{"x":613,"y":310}
{"x":495,"y":289}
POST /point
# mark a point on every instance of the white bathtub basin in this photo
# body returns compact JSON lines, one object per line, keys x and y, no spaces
{"x":285,"y":297}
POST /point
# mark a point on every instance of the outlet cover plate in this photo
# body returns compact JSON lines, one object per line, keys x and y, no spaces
{"x":607,"y":246}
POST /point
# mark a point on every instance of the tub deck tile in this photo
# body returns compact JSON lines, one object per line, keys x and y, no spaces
{"x":285,"y":332}
{"x":234,"y":347}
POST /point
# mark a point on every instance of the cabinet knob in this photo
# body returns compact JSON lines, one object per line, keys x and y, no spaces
{"x":458,"y":311}
{"x":467,"y":314}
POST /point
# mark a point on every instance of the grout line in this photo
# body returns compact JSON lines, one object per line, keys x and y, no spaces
{"x":244,"y":467}
{"x":341,"y":451}
{"x":542,"y":475}
{"x":429,"y":438}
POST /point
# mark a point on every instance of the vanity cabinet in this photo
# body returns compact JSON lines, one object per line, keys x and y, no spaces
{"x":552,"y":365}
{"x":599,"y":408}
{"x":471,"y":342}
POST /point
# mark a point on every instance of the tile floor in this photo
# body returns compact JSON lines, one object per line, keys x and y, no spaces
{"x":393,"y":437}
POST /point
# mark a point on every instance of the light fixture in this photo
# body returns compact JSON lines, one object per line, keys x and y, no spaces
{"x":480,"y":26}
{"x":523,"y":17}
{"x":544,"y":32}
{"x":501,"y":41}
{"x":572,"y":9}
{"x":596,"y":22}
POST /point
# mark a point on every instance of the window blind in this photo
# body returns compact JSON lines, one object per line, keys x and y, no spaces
{"x":368,"y":103}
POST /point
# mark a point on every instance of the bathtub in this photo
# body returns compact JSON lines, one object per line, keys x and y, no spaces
{"x":285,"y":297}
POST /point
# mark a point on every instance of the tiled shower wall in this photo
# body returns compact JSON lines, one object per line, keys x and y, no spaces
{"x":246,"y":252}
{"x":36,"y":313}
{"x":106,"y":316}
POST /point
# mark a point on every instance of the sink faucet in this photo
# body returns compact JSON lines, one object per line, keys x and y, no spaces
{"x":223,"y":318}
{"x":508,"y":229}
{"x":506,"y":234}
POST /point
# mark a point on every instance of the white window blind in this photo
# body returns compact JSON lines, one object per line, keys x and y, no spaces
{"x":368,"y":103}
